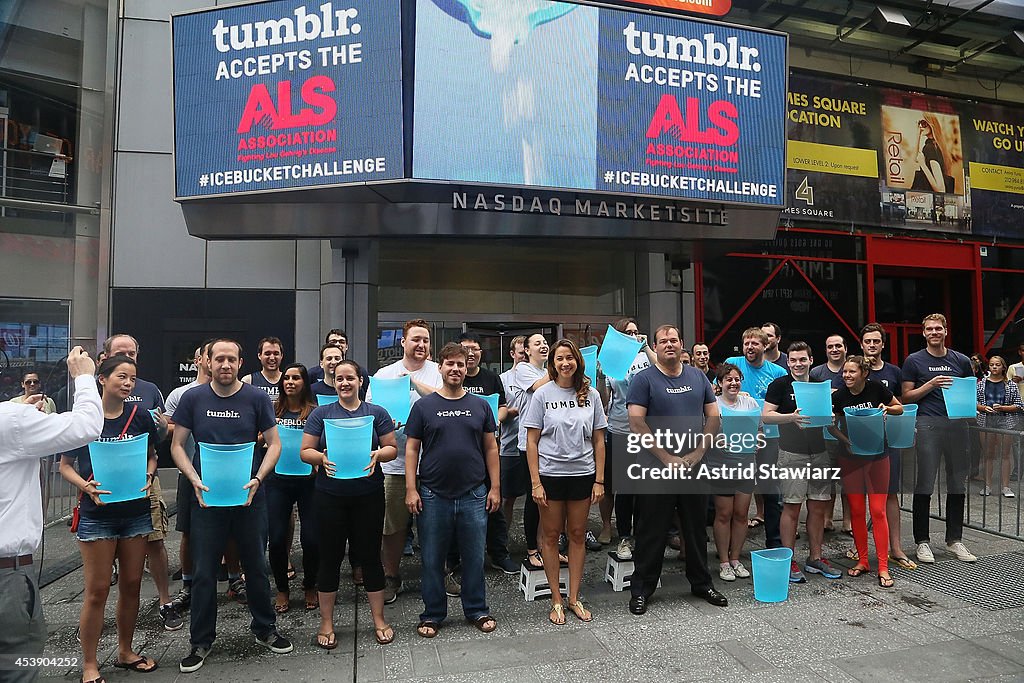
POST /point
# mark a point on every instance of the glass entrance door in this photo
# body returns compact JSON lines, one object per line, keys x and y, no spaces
{"x":496,"y":340}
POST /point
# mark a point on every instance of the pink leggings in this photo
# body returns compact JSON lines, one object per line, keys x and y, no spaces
{"x":871,"y":478}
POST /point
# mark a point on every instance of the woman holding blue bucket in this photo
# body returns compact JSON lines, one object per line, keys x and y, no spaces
{"x":733,"y":492}
{"x":288,"y":487}
{"x":865,"y":475}
{"x":349,"y":510}
{"x":109,"y":530}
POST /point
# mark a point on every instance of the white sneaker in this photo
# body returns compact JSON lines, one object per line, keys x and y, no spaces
{"x":740,"y":571}
{"x":1008,"y":492}
{"x":624,"y":551}
{"x":924,"y":554}
{"x":987,"y":491}
{"x":726,"y":573}
{"x":961,"y":552}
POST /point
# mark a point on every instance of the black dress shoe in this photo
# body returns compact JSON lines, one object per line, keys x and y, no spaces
{"x":709,"y":594}
{"x":638,"y":604}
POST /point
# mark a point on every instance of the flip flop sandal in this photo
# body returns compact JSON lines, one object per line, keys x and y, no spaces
{"x":859,"y":570}
{"x":101,"y":679}
{"x":432,"y":627}
{"x":312,"y":604}
{"x":291,"y":572}
{"x":754,"y":522}
{"x":904,"y":563}
{"x":557,"y":616}
{"x":579,"y":610}
{"x":480,"y":623}
{"x":535,"y":555}
{"x":852,"y":554}
{"x":381,"y":638}
{"x":137,"y":666}
{"x":332,"y":640}
{"x":279,"y":608}
{"x":885,"y":582}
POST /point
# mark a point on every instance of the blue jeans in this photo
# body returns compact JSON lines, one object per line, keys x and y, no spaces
{"x":210,"y":529}
{"x":443,"y":520}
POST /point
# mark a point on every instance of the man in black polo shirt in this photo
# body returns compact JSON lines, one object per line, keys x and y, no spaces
{"x":227,"y":411}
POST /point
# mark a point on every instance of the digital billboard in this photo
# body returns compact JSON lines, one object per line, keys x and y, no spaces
{"x":558,"y":95}
{"x":287,"y":94}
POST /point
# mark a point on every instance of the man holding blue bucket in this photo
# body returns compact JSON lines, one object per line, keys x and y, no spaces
{"x":925,"y":374}
{"x":228,"y":412}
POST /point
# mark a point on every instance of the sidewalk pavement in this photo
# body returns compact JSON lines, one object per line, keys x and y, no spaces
{"x":931,"y":627}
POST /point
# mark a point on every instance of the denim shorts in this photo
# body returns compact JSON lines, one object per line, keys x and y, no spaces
{"x":92,"y":529}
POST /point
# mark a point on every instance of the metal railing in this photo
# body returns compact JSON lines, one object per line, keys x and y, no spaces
{"x":59,"y":496}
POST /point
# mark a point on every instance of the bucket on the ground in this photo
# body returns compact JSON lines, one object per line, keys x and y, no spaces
{"x":589,"y":354}
{"x":771,"y":573}
{"x":866,"y":430}
{"x":120,"y":467}
{"x":226,"y":469}
{"x":961,"y":398}
{"x":814,"y":399}
{"x":618,"y":351}
{"x":393,"y":396}
{"x":326,"y":399}
{"x":899,"y":429}
{"x":290,"y":464}
{"x":349,"y":442}
{"x":740,"y":429}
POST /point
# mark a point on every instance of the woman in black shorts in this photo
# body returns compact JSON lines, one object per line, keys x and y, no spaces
{"x":565,"y":425}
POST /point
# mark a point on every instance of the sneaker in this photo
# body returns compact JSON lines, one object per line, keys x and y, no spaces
{"x":452,"y":587}
{"x":725,"y":573}
{"x":236,"y":590}
{"x":392,"y":587}
{"x":506,"y":565}
{"x":182,"y":600}
{"x":194,"y":661}
{"x":625,"y":551}
{"x":276,"y":643}
{"x":924,"y":554}
{"x":961,"y":552}
{"x":591,"y":542}
{"x":795,"y":575}
{"x":172,"y":619}
{"x":563,"y":543}
{"x":821,"y":566}
{"x":740,"y":571}
{"x":987,"y":491}
{"x":1007,"y":492}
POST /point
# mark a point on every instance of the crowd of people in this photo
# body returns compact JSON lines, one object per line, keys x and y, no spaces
{"x":455,"y":469}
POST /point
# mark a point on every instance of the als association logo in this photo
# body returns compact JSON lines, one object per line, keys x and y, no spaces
{"x":715,"y":8}
{"x":685,"y":124}
{"x":261,"y":108}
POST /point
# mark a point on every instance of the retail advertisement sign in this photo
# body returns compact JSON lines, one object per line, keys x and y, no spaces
{"x":877,"y":156}
{"x":558,"y":95}
{"x":287,"y":94}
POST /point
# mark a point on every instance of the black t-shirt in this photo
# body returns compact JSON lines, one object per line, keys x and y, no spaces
{"x":259,"y":380}
{"x":889,"y":376}
{"x":452,"y":460}
{"x":485,"y":383}
{"x":791,"y":437}
{"x":873,"y":395}
{"x":823,"y":373}
{"x":382,"y":426}
{"x":320,"y":388}
{"x":234,"y":419}
{"x":141,"y":423}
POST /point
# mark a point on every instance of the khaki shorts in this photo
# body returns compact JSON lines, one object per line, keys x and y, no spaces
{"x":818,"y":487}
{"x":396,"y":515}
{"x":158,"y":511}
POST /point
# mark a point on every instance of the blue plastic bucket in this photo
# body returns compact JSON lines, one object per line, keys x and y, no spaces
{"x":865,"y":428}
{"x":589,"y":354}
{"x":827,"y":434}
{"x":770,"y":431}
{"x":120,"y":467}
{"x":771,"y":573}
{"x":814,"y":399}
{"x":226,"y":469}
{"x":393,"y":396}
{"x":618,"y":351}
{"x":740,"y":429}
{"x":961,"y":398}
{"x":326,"y":399}
{"x":349,"y":442}
{"x":290,"y":463}
{"x":899,"y":429}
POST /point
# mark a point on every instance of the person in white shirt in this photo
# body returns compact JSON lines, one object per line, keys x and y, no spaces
{"x":27,"y":434}
{"x":424,"y":379}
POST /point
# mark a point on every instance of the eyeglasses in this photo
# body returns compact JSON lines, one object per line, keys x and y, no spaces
{"x":633,"y":333}
{"x":31,"y":381}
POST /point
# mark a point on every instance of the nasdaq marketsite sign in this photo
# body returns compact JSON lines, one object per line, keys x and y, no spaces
{"x":287,"y":94}
{"x":577,"y":97}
